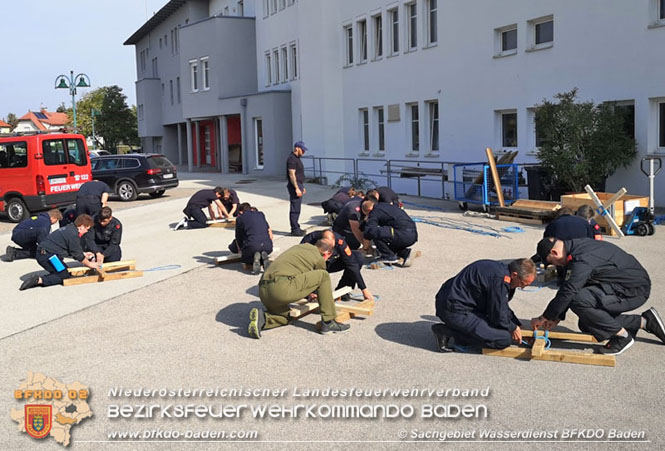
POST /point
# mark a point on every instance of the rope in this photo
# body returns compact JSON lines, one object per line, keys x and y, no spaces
{"x":513,"y":229}
{"x":163,"y":268}
{"x":545,"y":337}
{"x":457,"y":225}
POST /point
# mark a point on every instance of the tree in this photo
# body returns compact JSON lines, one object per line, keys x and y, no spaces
{"x":62,"y":108}
{"x":12,"y":120}
{"x":116,"y":122}
{"x":92,"y":100}
{"x":583,"y":143}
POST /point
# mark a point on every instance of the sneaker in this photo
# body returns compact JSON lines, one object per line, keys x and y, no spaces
{"x":298,"y":233}
{"x":181,"y":224}
{"x":332,"y":327}
{"x":408,"y":260}
{"x":345,"y":297}
{"x":257,"y":319}
{"x":654,"y":323}
{"x":10,"y":254}
{"x":30,"y":282}
{"x":265,"y":260}
{"x":390,"y":260}
{"x":617,"y":345}
{"x":443,"y":337}
{"x":256,"y":266}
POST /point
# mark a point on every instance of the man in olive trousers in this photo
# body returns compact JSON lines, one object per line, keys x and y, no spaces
{"x":297,"y":273}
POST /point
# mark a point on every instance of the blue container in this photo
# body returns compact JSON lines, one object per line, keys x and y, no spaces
{"x":57,"y":264}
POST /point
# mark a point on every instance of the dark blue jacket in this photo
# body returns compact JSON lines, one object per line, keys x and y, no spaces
{"x":342,"y":252}
{"x":388,"y":215}
{"x":483,"y":287}
{"x":350,"y":212}
{"x":568,"y":227}
{"x":252,"y":228}
{"x":40,"y":224}
{"x":104,"y":239}
{"x":64,"y":242}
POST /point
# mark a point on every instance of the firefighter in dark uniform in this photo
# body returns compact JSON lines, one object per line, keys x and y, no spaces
{"x":335,"y":204}
{"x":601,"y":283}
{"x":104,"y":236}
{"x":253,"y":238}
{"x":91,"y":197}
{"x":230,"y":201}
{"x":195,"y":218}
{"x":384,"y":194}
{"x":392,"y":231}
{"x":348,"y":224}
{"x":68,"y":216}
{"x":342,"y":259}
{"x":29,"y":232}
{"x":62,"y":243}
{"x":567,"y":226}
{"x":474,"y":305}
{"x":295,"y":176}
{"x":587,"y":212}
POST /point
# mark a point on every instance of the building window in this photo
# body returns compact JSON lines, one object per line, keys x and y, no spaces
{"x":432,"y":35}
{"x":362,"y":41}
{"x":275,"y":57}
{"x":433,"y":111}
{"x":661,"y":10}
{"x":380,"y":128}
{"x":509,"y":40}
{"x":364,"y":119}
{"x":412,"y":25}
{"x":205,"y":73}
{"x":176,"y":38}
{"x":393,"y":14}
{"x":282,"y":4}
{"x":258,"y":141}
{"x":509,"y":129}
{"x":160,"y":43}
{"x":172,"y":42}
{"x":241,"y":8}
{"x":142,"y":61}
{"x":171,"y":90}
{"x":194,"y":74}
{"x":268,"y":70}
{"x":266,"y":8}
{"x":378,"y":36}
{"x":273,"y":6}
{"x":544,"y":32}
{"x":177,"y":88}
{"x":162,"y":89}
{"x":661,"y":124}
{"x":285,"y":65}
{"x":415,"y":133}
{"x":541,"y":33}
{"x":505,"y":41}
{"x":140,"y":112}
{"x":294,"y":62}
{"x":348,"y":37}
{"x":155,"y":68}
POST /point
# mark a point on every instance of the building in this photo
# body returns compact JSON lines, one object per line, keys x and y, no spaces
{"x":41,"y":121}
{"x":230,"y":85}
{"x":5,"y":127}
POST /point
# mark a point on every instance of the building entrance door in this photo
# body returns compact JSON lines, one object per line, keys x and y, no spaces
{"x":235,"y":143}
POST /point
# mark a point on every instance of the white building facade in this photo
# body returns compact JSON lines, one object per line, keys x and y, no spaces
{"x":419,"y":83}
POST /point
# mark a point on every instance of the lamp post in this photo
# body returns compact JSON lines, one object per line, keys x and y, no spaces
{"x":93,"y":112}
{"x":71,"y":82}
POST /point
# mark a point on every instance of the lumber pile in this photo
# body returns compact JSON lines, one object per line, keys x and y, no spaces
{"x":527,"y":211}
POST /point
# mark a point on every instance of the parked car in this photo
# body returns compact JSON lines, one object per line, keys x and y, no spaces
{"x":131,"y":174}
{"x":40,"y":171}
{"x":98,"y":153}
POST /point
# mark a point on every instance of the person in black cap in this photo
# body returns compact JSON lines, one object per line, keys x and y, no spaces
{"x":91,"y":197}
{"x":392,"y":231}
{"x":601,"y":283}
{"x":253,"y":238}
{"x":474,"y":305}
{"x":342,"y":259}
{"x":295,"y":175}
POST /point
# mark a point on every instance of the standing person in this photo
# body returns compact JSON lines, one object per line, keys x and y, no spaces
{"x":392,"y":230}
{"x":30,"y":232}
{"x":51,"y":252}
{"x":253,"y":238}
{"x":194,"y":216}
{"x":295,"y":175}
{"x":342,"y":259}
{"x":297,"y":273}
{"x":230,"y":201}
{"x":104,"y":236}
{"x":91,"y":197}
{"x":474,"y":305}
{"x":601,"y":283}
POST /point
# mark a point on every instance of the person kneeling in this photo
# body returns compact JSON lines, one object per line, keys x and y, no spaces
{"x":104,"y":236}
{"x":253,"y":238}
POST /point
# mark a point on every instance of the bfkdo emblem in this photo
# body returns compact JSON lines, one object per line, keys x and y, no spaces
{"x":38,"y":420}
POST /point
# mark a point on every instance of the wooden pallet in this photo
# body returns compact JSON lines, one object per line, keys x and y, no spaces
{"x":236,"y":258}
{"x":538,"y":351}
{"x":222,"y":224}
{"x":527,"y":211}
{"x":345,"y":310}
{"x":110,"y":271}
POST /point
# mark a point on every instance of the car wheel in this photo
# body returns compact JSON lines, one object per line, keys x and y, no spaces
{"x":16,"y":210}
{"x":127,"y":191}
{"x":157,"y":194}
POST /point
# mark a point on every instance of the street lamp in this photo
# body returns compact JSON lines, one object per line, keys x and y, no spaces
{"x":70,"y":82}
{"x":93,"y":112}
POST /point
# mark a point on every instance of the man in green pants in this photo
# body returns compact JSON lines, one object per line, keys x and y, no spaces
{"x":297,"y":273}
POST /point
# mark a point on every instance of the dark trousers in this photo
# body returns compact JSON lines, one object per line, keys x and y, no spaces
{"x":196,"y":218}
{"x":388,"y":244}
{"x":249,"y":249}
{"x":294,"y":207}
{"x":600,"y":311}
{"x":472,"y":329}
{"x":53,"y":277}
{"x":89,"y":205}
{"x":112,"y":253}
{"x":27,"y":240}
{"x":348,"y":278}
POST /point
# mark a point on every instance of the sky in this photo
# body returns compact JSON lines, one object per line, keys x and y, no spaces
{"x":45,"y":38}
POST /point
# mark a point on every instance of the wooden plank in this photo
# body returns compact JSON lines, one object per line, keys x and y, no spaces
{"x":538,"y":204}
{"x":503,"y":217}
{"x":570,"y":336}
{"x":553,"y":356}
{"x":223,"y":225}
{"x":495,"y":176}
{"x":303,"y":307}
{"x":355,"y":309}
{"x":83,"y":270}
{"x":109,"y":276}
{"x":231,"y":258}
{"x":538,"y":347}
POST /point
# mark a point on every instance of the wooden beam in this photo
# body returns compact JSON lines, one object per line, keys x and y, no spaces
{"x":84,"y":270}
{"x":495,"y":176}
{"x":570,"y":336}
{"x":538,"y":348}
{"x":109,"y":276}
{"x":356,"y":309}
{"x":223,"y":225}
{"x":553,"y":356}
{"x":303,"y":307}
{"x":230,"y":258}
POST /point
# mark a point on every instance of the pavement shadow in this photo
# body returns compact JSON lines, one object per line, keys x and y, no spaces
{"x":236,"y":316}
{"x":415,"y":335}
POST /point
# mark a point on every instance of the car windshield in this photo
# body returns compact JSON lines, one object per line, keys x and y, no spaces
{"x":159,"y":162}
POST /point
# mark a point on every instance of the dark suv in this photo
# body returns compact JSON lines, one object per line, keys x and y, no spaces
{"x":134,"y":173}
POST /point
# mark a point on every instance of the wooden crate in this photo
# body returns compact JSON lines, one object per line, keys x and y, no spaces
{"x":621,"y":206}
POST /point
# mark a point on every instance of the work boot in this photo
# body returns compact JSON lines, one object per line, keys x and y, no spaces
{"x":30,"y":282}
{"x":257,"y":319}
{"x":617,"y":345}
{"x":298,"y":233}
{"x":332,"y":327}
{"x":265,"y":260}
{"x":443,"y":337}
{"x":256,"y":266}
{"x":654,"y":323}
{"x":10,"y":254}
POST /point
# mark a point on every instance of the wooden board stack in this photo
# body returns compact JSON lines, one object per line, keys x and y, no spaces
{"x":110,"y":271}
